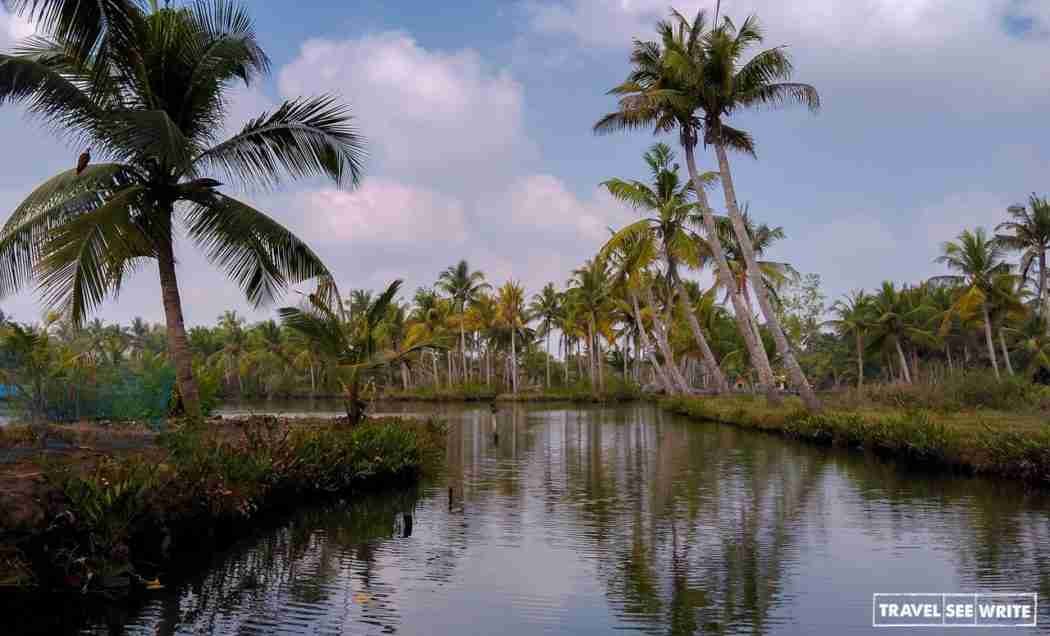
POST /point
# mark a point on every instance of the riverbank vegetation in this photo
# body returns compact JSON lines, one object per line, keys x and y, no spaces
{"x":953,"y":428}
{"x":113,"y":514}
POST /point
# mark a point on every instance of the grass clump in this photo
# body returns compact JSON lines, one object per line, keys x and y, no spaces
{"x":119,"y":512}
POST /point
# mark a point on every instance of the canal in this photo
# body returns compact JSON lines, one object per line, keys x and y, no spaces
{"x":595,"y":520}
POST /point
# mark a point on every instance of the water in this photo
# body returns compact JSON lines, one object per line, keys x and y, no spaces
{"x":602,"y":520}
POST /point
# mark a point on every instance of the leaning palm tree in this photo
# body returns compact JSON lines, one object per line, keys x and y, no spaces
{"x":658,"y":94}
{"x":978,"y":259}
{"x":463,"y":286}
{"x":629,"y":261}
{"x":724,"y":83}
{"x":1029,"y":233}
{"x":148,"y":90}
{"x":773,"y":274}
{"x":666,"y":201}
{"x":546,"y":307}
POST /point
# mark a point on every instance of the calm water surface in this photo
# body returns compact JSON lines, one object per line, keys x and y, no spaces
{"x":601,"y":520}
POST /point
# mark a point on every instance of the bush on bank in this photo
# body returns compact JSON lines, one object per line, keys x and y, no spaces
{"x":981,"y":446}
{"x":129,"y":514}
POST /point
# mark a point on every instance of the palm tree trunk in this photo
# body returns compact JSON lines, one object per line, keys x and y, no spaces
{"x":1006,"y":353}
{"x":178,"y":345}
{"x":564,"y":350}
{"x":988,"y":339}
{"x":660,"y":333}
{"x":709,"y":361}
{"x":547,"y":346}
{"x":951,"y":366}
{"x":664,"y":379}
{"x":860,"y":360}
{"x":463,"y":350}
{"x":755,"y":349}
{"x":598,"y":359}
{"x":404,"y":376}
{"x":514,"y":360}
{"x":903,"y":361}
{"x":798,"y":378}
{"x":437,"y":378}
{"x":1043,"y":291}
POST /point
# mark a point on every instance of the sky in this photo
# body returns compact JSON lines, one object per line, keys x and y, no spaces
{"x":478,"y":123}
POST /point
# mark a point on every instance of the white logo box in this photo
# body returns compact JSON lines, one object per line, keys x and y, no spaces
{"x":954,"y":609}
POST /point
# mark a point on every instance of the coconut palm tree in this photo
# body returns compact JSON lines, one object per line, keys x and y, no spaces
{"x":589,"y":289}
{"x":724,"y":83}
{"x":353,"y":349}
{"x":629,"y":261}
{"x":666,"y":200}
{"x":893,"y":321}
{"x":852,"y":317}
{"x":1028,"y":232}
{"x":979,"y":260}
{"x":546,"y":307}
{"x":511,"y":314}
{"x":774,"y":274}
{"x":658,"y":94}
{"x":463,"y":286}
{"x":148,"y":90}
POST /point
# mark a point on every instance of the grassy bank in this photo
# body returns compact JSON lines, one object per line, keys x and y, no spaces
{"x":114,"y":515}
{"x":615,"y":391}
{"x":980,"y":441}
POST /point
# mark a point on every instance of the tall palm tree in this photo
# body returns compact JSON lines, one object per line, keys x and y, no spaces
{"x":546,"y":307}
{"x":463,"y":286}
{"x":667,"y":201}
{"x":1028,"y":232}
{"x":978,"y":259}
{"x":657,"y":94}
{"x":852,"y":317}
{"x":510,"y":303}
{"x":629,"y":260}
{"x":589,"y":288}
{"x":148,"y":90}
{"x":724,"y":83}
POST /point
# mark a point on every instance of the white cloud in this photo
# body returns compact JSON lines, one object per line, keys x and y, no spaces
{"x":383,"y":211}
{"x":942,"y":49}
{"x":437,"y":115}
{"x":544,"y":203}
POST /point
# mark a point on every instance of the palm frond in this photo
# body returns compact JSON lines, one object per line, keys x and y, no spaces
{"x":86,"y":258}
{"x":303,"y":137}
{"x":257,"y":252}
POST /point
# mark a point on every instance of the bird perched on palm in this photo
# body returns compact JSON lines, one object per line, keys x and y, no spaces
{"x":83,"y":161}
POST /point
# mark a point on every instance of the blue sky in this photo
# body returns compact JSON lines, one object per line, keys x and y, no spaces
{"x":478,"y":122}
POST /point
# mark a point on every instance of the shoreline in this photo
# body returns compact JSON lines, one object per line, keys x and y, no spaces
{"x":990,"y":444}
{"x":115,"y":519}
